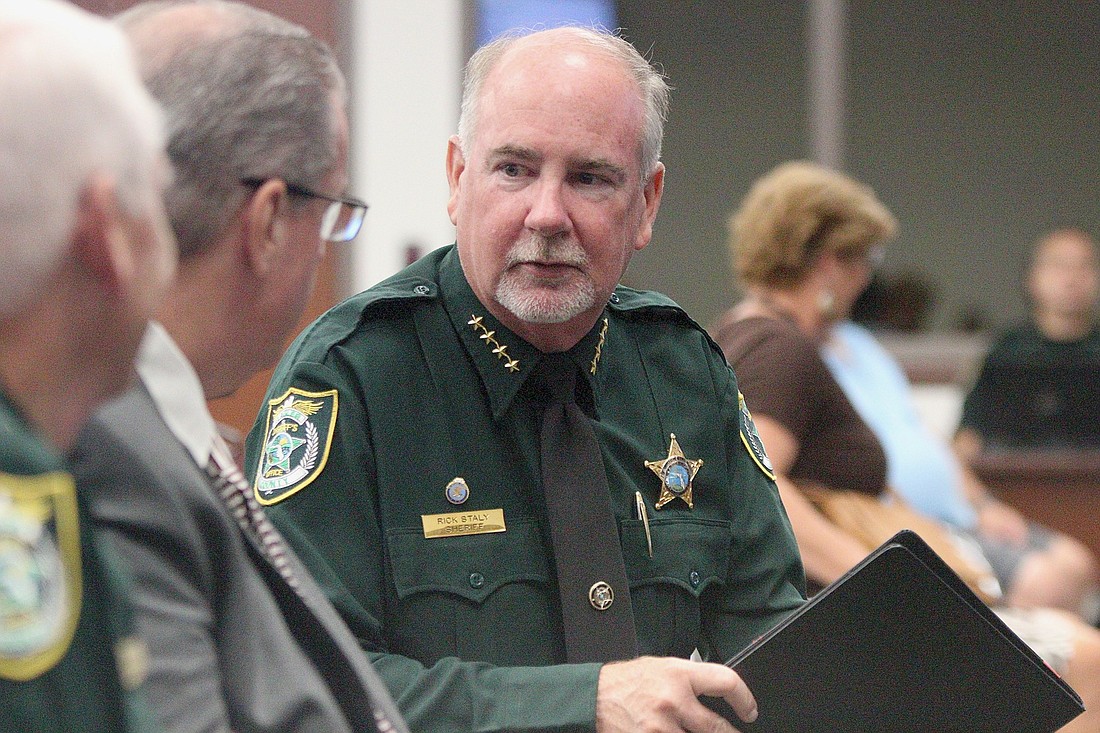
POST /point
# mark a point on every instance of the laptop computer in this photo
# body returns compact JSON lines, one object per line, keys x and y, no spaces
{"x":1013,"y":409}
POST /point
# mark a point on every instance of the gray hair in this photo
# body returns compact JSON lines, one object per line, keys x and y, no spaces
{"x":652,"y":87}
{"x":248,"y":95}
{"x":73,"y":107}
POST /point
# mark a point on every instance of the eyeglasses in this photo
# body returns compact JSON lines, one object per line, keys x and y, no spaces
{"x":343,"y":218}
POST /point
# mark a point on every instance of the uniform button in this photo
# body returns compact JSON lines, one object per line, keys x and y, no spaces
{"x":615,"y":298}
{"x":422,"y":290}
{"x":601,"y":596}
{"x":694,"y":578}
{"x":477,"y":580}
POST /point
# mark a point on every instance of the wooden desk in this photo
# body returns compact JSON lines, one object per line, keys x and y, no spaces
{"x":1055,"y":488}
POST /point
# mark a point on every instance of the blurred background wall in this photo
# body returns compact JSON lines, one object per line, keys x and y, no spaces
{"x":978,"y":124}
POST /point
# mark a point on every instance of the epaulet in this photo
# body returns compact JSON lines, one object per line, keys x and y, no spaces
{"x":396,"y":290}
{"x":628,"y":299}
{"x":416,"y":283}
{"x":649,"y":305}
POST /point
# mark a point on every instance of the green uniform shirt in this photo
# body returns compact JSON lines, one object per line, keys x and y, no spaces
{"x":382,"y":403}
{"x":68,"y":657}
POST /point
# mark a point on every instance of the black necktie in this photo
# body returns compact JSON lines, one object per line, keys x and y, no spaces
{"x":595,"y":597}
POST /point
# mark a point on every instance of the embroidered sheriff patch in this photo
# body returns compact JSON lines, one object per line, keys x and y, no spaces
{"x":752,"y":441}
{"x":298,"y":435}
{"x":40,"y":579}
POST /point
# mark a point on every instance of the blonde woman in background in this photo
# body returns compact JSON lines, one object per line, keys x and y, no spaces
{"x":805,"y":242}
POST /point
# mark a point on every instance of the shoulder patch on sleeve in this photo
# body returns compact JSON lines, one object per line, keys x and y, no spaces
{"x":296,"y":441}
{"x":40,"y":572}
{"x":751,"y":439}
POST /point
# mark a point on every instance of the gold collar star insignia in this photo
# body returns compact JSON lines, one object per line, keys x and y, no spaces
{"x":676,"y":473}
{"x":489,"y":337}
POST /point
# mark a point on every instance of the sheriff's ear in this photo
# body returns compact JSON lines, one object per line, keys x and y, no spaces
{"x":456,"y":164}
{"x":652,"y":192}
{"x":263,"y":227}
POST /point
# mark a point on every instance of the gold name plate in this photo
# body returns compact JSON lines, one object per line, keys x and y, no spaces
{"x":456,"y":524}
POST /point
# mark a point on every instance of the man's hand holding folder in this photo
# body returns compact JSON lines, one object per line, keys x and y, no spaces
{"x":677,"y":708}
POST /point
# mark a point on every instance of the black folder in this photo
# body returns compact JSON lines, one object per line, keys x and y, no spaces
{"x":900,"y":645}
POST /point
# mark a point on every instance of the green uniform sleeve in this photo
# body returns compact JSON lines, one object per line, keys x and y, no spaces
{"x":766,"y":581}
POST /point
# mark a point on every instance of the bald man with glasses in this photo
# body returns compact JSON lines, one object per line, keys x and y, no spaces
{"x":240,"y":636}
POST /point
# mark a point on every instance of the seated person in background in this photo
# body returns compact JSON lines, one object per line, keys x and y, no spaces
{"x":1039,"y":387}
{"x":85,"y":256}
{"x":804,"y":242}
{"x":1035,"y":566}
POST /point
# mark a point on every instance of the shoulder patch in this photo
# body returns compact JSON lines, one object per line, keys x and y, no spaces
{"x":751,"y":439}
{"x":40,"y":572}
{"x":297,"y":437}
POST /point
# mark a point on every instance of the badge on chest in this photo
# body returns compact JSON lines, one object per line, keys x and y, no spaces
{"x":676,"y":473}
{"x":457,"y":524}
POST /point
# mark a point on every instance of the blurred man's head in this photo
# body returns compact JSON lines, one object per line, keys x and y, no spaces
{"x":1063,"y":279}
{"x":84,"y":247}
{"x":73,"y":112}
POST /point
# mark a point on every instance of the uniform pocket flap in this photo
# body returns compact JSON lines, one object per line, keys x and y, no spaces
{"x":471,"y":566}
{"x":690,"y":553}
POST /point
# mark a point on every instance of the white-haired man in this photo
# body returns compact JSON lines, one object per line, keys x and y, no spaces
{"x":85,"y":255}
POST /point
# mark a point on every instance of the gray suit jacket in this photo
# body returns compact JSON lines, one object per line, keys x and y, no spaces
{"x":231,"y":645}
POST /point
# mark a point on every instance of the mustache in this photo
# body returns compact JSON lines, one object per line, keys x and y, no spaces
{"x":547,"y":250}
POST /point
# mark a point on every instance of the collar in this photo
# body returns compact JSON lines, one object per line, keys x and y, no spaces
{"x":503,"y":360}
{"x":177,"y":393}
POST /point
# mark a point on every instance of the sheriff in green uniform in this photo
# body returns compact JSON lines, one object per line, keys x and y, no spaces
{"x":400,"y":445}
{"x":69,"y":660}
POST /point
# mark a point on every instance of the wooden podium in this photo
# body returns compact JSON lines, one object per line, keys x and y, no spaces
{"x":1060,"y":489}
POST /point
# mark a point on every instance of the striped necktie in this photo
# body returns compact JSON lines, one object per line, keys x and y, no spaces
{"x":237,"y":496}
